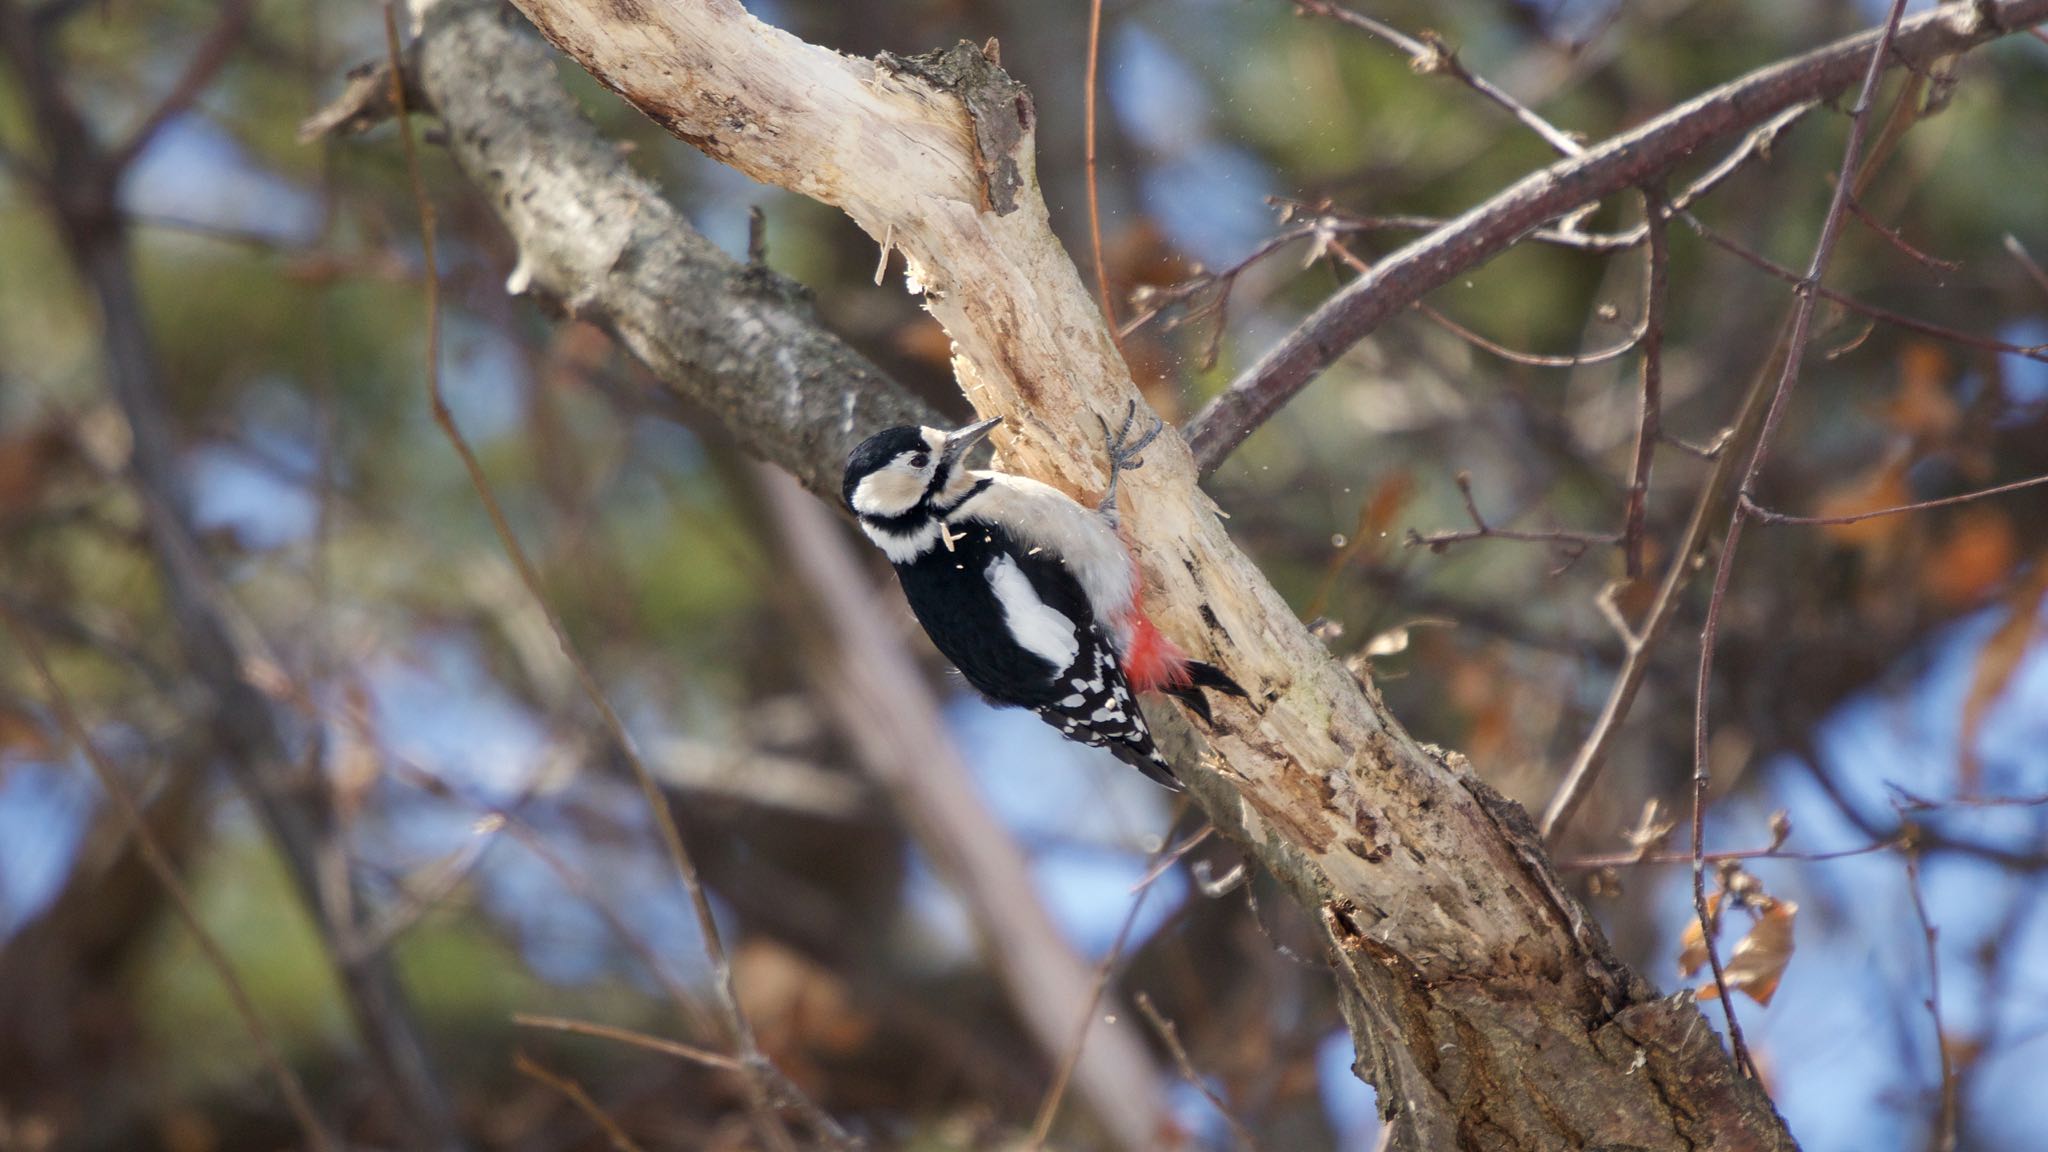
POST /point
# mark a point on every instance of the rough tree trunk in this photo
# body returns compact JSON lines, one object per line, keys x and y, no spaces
{"x":1486,"y":1007}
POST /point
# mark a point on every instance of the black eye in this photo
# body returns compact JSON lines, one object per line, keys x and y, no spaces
{"x":920,"y":460}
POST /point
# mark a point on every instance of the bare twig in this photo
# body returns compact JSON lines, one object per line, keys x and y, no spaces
{"x":1633,"y":859}
{"x":1891,"y":235}
{"x":1906,"y":801}
{"x":1795,"y":349}
{"x":690,"y":1052}
{"x":1621,"y":162}
{"x":1764,"y":515}
{"x":159,"y":864}
{"x":761,"y":1098}
{"x":2027,"y":261}
{"x":1049,"y":1108}
{"x":576,"y":1095}
{"x":1567,"y":234}
{"x":1170,"y":1036}
{"x":1573,"y":543}
{"x":1897,"y":319}
{"x":1945,"y":1121}
{"x":1650,"y":420}
{"x":1088,"y":87}
{"x":1429,"y":54}
{"x":1614,"y":351}
{"x":1172,"y":855}
{"x":205,"y":64}
{"x":1640,"y":641}
{"x":1514,"y":356}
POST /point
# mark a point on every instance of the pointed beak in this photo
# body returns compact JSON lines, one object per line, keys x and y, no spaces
{"x":960,"y":441}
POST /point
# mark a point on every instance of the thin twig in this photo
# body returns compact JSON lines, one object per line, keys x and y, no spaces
{"x":1049,"y":1108}
{"x":1614,"y":351}
{"x":1640,"y":642}
{"x":1514,"y":356}
{"x":1171,"y":856}
{"x":166,"y":873}
{"x":1933,"y":263}
{"x":761,"y":1098}
{"x":1633,"y":859}
{"x":1170,"y":1036}
{"x":1429,"y":54}
{"x":1764,"y":263}
{"x":1945,"y":1124}
{"x":1906,"y":801}
{"x":1574,"y":544}
{"x":205,"y":64}
{"x":576,"y":1095}
{"x":690,"y":1052}
{"x":2027,"y":261}
{"x":1765,"y":516}
{"x":1621,"y":162}
{"x":1650,"y":418}
{"x":1795,"y":349}
{"x":1568,"y":234}
{"x":1088,"y":86}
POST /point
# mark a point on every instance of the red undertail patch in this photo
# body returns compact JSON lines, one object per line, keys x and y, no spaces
{"x":1152,"y":661}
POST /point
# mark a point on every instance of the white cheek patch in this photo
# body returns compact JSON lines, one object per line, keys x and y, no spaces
{"x":888,"y":493}
{"x":1039,"y":628}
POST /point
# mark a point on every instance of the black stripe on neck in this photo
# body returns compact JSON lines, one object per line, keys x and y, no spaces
{"x":902,"y":523}
{"x":974,"y":490}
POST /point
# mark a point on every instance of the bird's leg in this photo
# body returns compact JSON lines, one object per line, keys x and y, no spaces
{"x":1123,"y":454}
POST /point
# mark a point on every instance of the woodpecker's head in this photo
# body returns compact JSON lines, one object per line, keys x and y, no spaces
{"x":897,"y":482}
{"x":899,"y":472}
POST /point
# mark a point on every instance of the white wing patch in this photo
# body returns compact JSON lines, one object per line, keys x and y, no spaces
{"x":1041,"y":629}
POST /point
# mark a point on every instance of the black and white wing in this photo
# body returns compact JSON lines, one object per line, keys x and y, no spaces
{"x":1019,"y":627}
{"x":1098,"y":708}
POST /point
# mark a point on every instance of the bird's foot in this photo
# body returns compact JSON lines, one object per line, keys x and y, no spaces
{"x":1124,"y":452}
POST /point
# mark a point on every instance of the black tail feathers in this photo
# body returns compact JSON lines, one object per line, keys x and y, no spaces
{"x":1200,"y":676}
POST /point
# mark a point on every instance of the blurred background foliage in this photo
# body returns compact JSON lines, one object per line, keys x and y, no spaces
{"x":1870,"y":676}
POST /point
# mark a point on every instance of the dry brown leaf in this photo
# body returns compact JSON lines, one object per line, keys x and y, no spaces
{"x":1692,"y":945}
{"x":1375,"y":516}
{"x":22,"y":735}
{"x":1996,"y":663}
{"x":1759,"y":959}
{"x":802,"y":1011}
{"x":1976,"y":556}
{"x":1924,"y":407}
{"x":28,"y":462}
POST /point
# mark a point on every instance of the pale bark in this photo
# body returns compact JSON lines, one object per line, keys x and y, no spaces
{"x":1488,"y":1010}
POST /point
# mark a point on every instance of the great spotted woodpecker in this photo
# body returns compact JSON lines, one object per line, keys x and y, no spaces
{"x":1033,"y":596}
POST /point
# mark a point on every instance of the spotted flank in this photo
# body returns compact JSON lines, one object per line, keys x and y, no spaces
{"x":1098,"y":709}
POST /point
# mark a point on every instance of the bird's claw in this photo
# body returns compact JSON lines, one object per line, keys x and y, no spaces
{"x":1124,"y":452}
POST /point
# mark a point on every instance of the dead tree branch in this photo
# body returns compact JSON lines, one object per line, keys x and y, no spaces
{"x":601,"y":241}
{"x":1626,"y":161}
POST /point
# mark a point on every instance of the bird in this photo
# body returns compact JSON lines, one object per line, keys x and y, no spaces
{"x":1033,"y":596}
